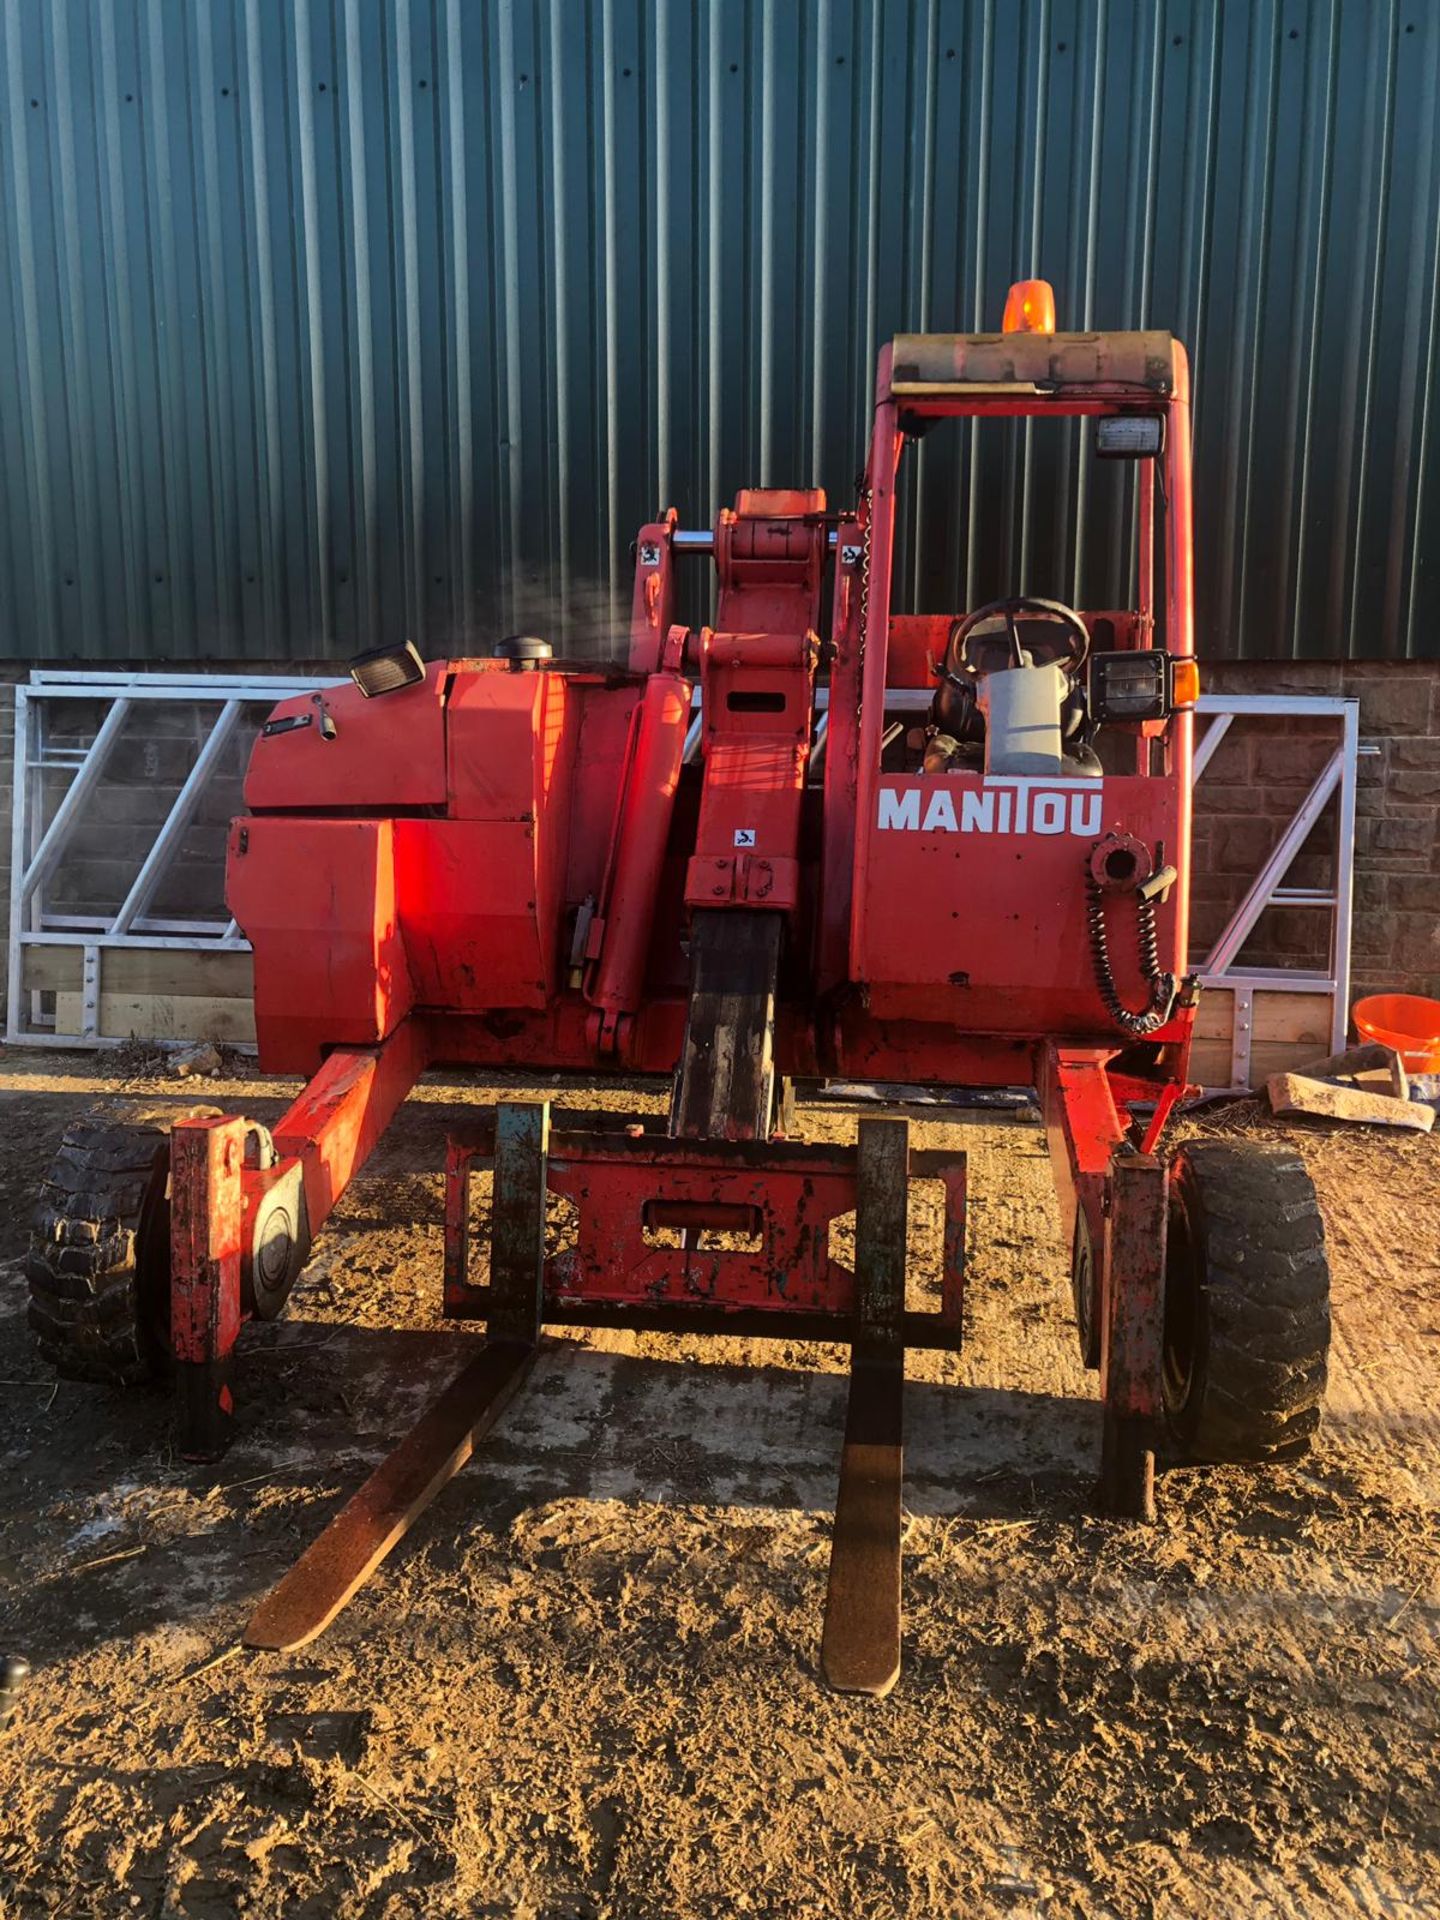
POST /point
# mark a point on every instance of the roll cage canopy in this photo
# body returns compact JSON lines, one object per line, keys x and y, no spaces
{"x":922,"y":372}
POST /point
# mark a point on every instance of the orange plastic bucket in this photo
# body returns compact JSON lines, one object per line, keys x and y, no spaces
{"x":1404,"y":1021}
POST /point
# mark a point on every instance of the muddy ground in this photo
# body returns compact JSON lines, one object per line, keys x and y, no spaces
{"x":585,"y":1688}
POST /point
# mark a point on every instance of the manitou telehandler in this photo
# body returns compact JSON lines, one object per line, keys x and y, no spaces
{"x":727,"y":861}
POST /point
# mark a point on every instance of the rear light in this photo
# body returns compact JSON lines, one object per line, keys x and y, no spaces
{"x":387,"y":669}
{"x":1184,"y":682}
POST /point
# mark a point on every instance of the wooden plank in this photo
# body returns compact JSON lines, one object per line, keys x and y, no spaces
{"x":1287,"y":1030}
{"x":1278,"y":1056}
{"x":1293,"y":1093}
{"x":170,"y":970}
{"x":1276,"y":1014}
{"x":1210,"y":1060}
{"x":52,"y":969}
{"x":1214,"y":1014}
{"x":161,"y":1017}
{"x":139,"y":971}
{"x":1292,"y":1016}
{"x":1210,"y":1063}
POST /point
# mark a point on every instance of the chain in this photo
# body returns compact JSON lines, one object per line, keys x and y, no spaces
{"x":865,"y":500}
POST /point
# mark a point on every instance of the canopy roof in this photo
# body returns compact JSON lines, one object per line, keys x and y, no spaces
{"x":932,"y":365}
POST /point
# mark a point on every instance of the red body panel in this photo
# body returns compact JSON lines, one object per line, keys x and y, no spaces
{"x":969,"y":915}
{"x":317,"y":901}
{"x":479,"y":926}
{"x":509,"y":742}
{"x":387,"y":754}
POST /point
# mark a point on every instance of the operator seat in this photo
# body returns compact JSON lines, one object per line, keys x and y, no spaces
{"x":985,"y":718}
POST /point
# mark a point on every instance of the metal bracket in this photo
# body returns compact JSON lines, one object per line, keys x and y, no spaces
{"x":1132,"y":1331}
{"x":207,"y":1159}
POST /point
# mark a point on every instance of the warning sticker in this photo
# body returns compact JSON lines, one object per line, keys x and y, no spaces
{"x":744,"y":836}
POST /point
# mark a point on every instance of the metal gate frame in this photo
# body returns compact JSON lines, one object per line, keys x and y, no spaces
{"x":36,"y":848}
{"x":1221,"y":966}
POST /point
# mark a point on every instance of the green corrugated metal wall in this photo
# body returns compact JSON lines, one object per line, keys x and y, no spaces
{"x":321,"y":320}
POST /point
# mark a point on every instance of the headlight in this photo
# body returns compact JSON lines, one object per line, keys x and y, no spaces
{"x":1129,"y":686}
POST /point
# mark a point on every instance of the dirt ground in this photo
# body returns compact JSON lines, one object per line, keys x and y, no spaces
{"x":585,"y":1688}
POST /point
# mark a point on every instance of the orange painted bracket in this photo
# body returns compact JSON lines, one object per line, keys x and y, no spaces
{"x":206,"y":1162}
{"x":333,"y":1127}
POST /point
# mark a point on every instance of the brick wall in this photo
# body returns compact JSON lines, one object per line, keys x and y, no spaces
{"x":1251,"y":788}
{"x":1258,"y":778}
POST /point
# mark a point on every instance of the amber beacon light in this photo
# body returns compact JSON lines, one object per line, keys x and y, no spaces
{"x":1030,"y":307}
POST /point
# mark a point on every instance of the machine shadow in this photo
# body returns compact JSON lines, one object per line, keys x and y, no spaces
{"x":320,"y":1404}
{"x":646,"y":1426}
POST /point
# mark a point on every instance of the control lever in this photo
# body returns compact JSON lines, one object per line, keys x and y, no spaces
{"x":1158,"y":885}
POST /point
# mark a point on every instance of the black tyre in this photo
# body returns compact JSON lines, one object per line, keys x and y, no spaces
{"x":1247,"y":1303}
{"x":99,"y":1261}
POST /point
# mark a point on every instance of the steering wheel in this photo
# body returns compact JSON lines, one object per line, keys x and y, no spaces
{"x":1022,"y":606}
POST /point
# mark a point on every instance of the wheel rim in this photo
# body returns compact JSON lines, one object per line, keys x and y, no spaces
{"x":1083,"y":1290}
{"x":1180,"y":1339}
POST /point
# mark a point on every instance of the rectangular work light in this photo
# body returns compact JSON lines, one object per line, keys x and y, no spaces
{"x":1142,"y":684}
{"x":387,"y":669}
{"x":1129,"y":436}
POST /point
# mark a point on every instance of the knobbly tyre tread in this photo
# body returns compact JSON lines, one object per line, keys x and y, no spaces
{"x":103,"y":1191}
{"x":1257,"y":1253}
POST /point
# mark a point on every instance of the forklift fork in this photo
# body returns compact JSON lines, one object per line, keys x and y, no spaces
{"x":860,"y":1647}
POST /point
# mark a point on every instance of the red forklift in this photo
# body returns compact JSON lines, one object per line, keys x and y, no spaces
{"x":921,"y":848}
